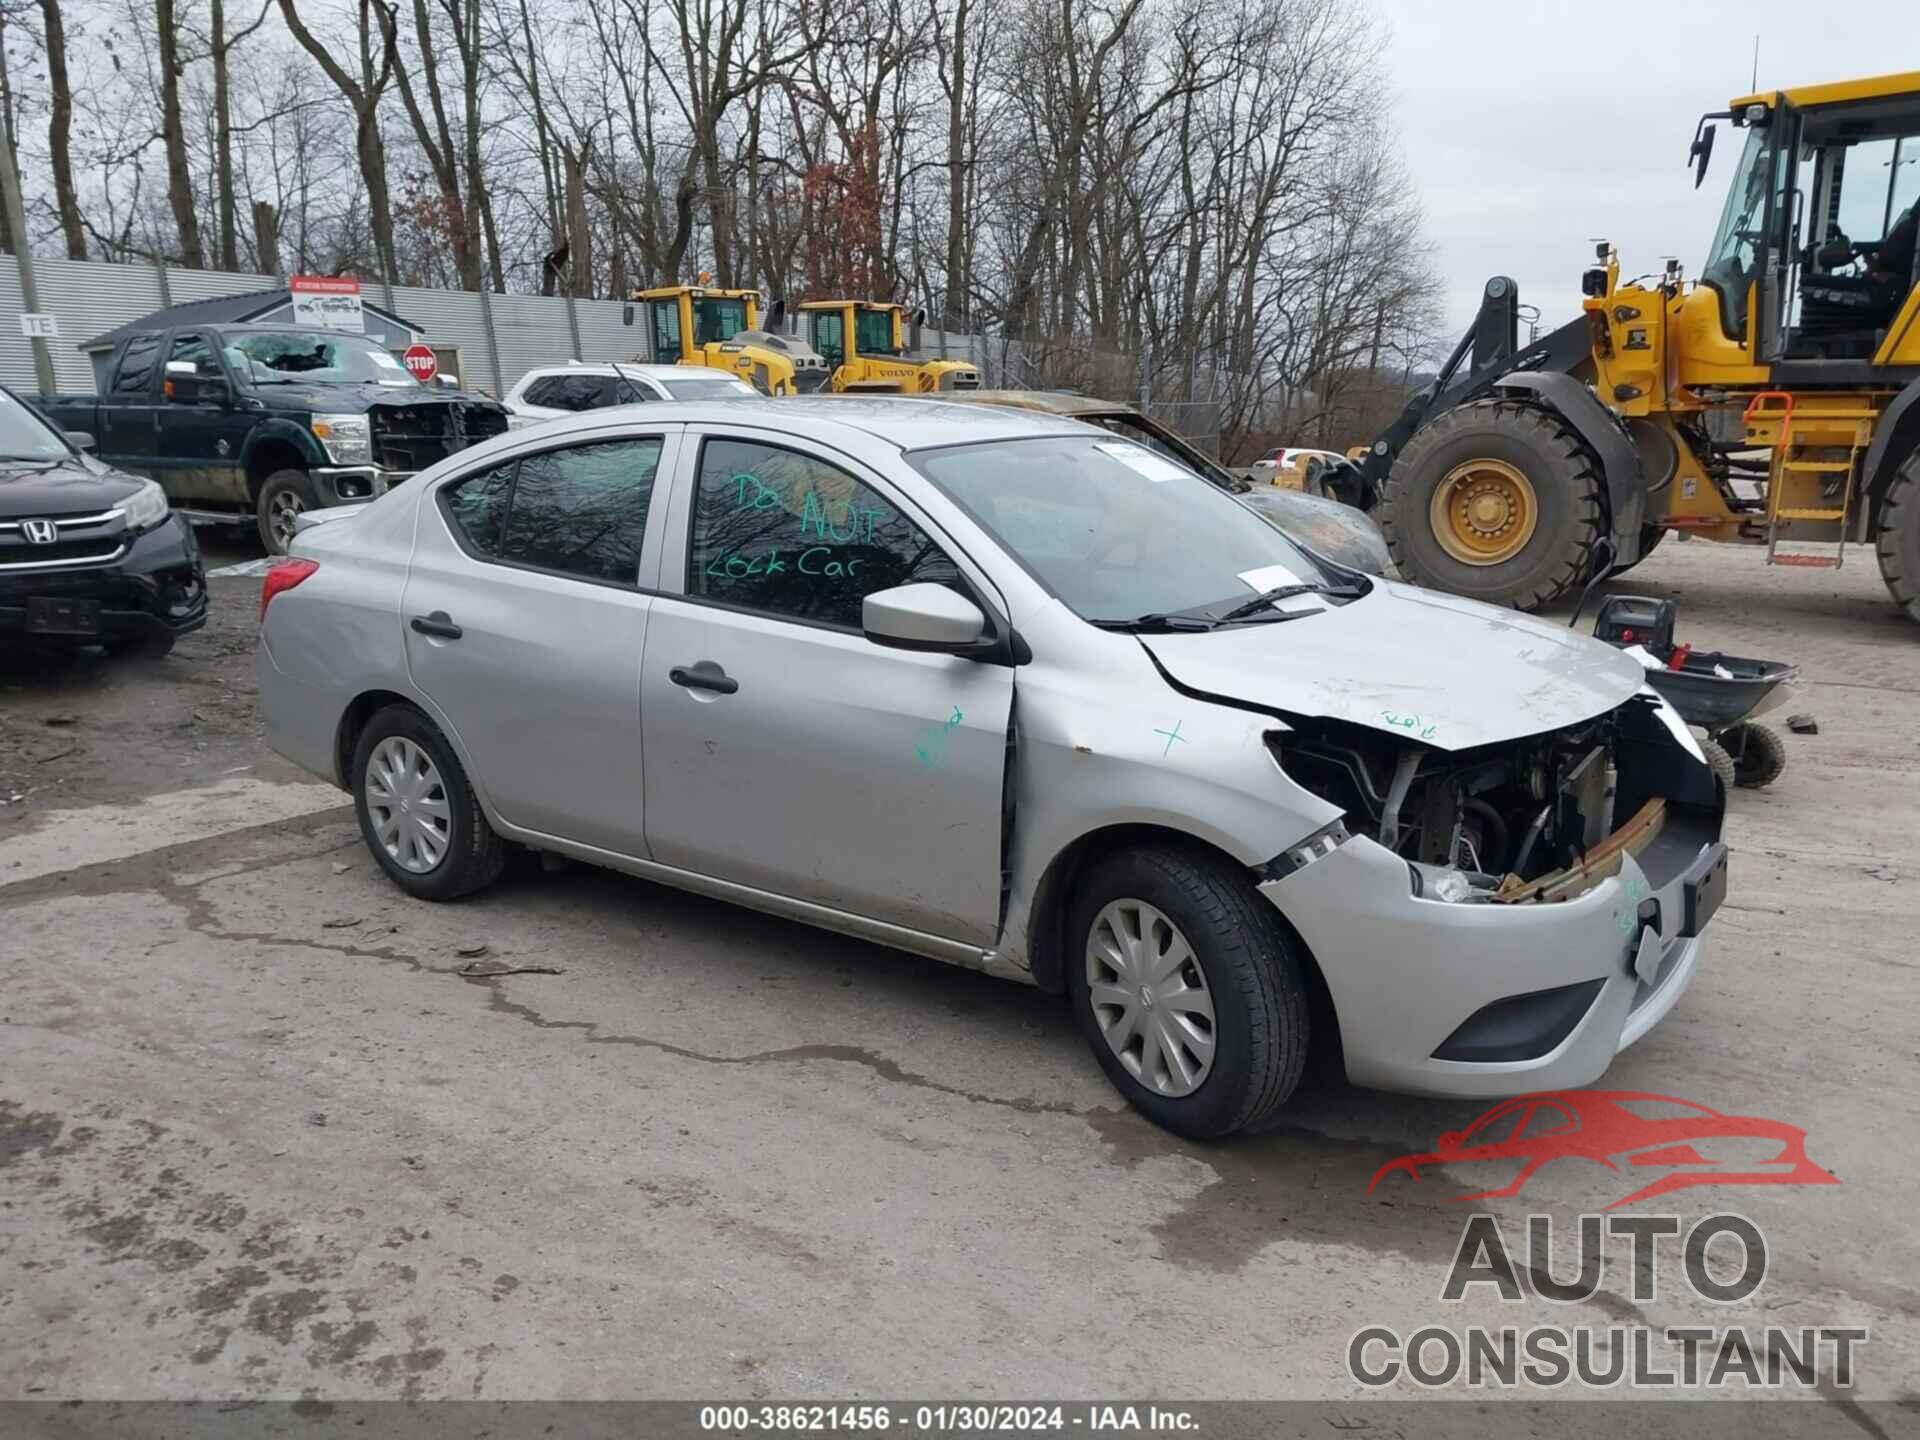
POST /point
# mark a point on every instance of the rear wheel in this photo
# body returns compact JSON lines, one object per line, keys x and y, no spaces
{"x":1497,"y":501}
{"x":418,"y":813}
{"x":1188,"y":990}
{"x":284,"y":495}
{"x":1898,"y":539}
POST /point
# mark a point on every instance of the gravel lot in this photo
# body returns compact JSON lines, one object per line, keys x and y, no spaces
{"x":259,"y":1137}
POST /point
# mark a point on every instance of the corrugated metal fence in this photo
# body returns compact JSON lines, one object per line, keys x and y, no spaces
{"x":499,"y":337}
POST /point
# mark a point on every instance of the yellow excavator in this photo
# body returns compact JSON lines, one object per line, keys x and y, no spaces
{"x":864,"y":344}
{"x":719,"y":329}
{"x":1773,"y":401}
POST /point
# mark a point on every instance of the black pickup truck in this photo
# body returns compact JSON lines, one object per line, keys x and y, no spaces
{"x":261,"y":422}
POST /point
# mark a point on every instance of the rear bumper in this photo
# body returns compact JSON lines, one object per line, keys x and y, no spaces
{"x":158,"y":584}
{"x":1554,"y":985}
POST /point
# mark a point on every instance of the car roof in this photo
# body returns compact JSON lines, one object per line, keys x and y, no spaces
{"x":631,"y":367}
{"x":908,"y":423}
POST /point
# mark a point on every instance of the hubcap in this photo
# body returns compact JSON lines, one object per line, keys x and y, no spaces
{"x":408,"y":804}
{"x":1150,"y":997}
{"x":1484,"y":512}
{"x":281,"y":511}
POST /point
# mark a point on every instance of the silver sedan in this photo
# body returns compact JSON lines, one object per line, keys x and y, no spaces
{"x":1008,"y":690}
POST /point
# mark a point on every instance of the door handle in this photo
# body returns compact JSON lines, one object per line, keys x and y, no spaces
{"x":439,"y":625}
{"x":704,"y":675}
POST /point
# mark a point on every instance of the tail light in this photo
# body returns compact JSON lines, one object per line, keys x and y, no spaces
{"x":281,"y":577}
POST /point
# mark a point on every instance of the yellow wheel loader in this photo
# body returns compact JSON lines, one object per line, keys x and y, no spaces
{"x":1773,"y":401}
{"x":863,"y":343}
{"x":719,"y":329}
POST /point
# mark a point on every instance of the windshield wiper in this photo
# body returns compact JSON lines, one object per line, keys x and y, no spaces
{"x":1155,"y":622}
{"x":1248,"y":608}
{"x":31,"y":459}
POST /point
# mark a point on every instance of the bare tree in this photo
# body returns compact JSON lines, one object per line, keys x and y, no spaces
{"x":362,"y":94}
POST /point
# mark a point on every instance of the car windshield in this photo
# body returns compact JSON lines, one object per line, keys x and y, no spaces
{"x":303,"y":357}
{"x":1119,"y":533}
{"x":706,"y":387}
{"x":25,"y":436}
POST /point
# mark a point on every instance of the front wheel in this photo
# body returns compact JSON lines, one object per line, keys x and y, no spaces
{"x":418,"y":813}
{"x":1187,"y":988}
{"x":284,"y":496}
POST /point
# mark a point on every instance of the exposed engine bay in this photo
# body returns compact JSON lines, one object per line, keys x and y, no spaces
{"x":1521,"y":819}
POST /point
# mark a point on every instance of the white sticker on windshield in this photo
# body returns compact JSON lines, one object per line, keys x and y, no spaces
{"x":1143,"y":461}
{"x":382,"y":358}
{"x":1273,"y":577}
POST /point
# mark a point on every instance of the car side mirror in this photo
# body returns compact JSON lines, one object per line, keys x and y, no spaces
{"x":185,"y":385}
{"x":923,"y":617}
{"x":81,"y":440}
{"x":1701,"y":153}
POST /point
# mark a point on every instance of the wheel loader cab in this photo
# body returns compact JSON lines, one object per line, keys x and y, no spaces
{"x":1814,"y":258}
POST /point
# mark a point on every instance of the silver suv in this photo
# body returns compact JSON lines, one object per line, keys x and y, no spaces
{"x":1008,"y":690}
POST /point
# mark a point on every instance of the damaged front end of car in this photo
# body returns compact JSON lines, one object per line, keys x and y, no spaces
{"x":1504,"y":916}
{"x":1541,"y":818}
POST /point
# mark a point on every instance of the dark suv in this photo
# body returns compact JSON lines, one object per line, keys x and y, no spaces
{"x":88,"y":555}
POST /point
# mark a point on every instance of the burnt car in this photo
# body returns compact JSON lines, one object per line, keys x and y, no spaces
{"x":88,"y":555}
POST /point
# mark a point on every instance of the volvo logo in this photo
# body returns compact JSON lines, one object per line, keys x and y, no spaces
{"x":40,"y":532}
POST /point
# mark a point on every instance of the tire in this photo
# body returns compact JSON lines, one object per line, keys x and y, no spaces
{"x":1251,"y":974}
{"x":1898,"y":539}
{"x":470,"y":856}
{"x":283,"y":494}
{"x":1759,"y":754}
{"x":1566,"y":487}
{"x":146,"y":644}
{"x":1721,"y":763}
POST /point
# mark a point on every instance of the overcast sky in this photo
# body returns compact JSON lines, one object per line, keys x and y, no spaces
{"x":1531,"y":127}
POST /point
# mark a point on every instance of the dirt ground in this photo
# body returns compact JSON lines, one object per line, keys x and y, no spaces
{"x":259,"y":1136}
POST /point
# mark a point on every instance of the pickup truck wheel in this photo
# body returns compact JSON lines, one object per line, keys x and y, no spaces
{"x":285,"y":494}
{"x":1187,"y":988}
{"x":418,"y":813}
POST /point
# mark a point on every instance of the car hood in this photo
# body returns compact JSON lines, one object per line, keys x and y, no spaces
{"x":368,"y":396}
{"x":68,"y":487}
{"x":1449,"y":672}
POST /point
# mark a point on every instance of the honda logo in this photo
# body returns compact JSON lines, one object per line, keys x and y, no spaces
{"x":40,"y":532}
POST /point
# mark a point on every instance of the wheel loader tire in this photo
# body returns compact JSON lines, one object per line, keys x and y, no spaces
{"x":1898,"y":539}
{"x":1521,"y":499}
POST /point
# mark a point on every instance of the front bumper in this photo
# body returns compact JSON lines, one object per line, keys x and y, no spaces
{"x":1406,"y":974}
{"x":156,"y":583}
{"x":354,"y":484}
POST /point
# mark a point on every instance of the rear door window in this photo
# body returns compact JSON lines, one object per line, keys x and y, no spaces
{"x":580,"y":512}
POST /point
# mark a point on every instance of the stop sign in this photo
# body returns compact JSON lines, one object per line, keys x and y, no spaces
{"x":421,"y":362}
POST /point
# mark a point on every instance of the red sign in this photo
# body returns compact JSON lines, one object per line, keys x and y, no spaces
{"x":421,"y":362}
